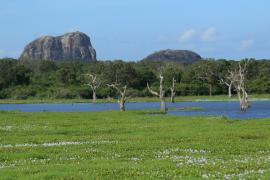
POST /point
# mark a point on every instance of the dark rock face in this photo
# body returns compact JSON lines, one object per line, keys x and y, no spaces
{"x":70,"y":46}
{"x":183,"y":56}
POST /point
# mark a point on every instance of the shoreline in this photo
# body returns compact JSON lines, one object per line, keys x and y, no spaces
{"x":219,"y":98}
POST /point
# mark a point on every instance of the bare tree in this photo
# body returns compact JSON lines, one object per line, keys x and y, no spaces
{"x":122,"y":91}
{"x":238,"y":78}
{"x":173,"y":90}
{"x":161,"y":93}
{"x":228,"y":82}
{"x":94,"y":83}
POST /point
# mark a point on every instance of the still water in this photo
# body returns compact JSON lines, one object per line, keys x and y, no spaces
{"x":259,"y":109}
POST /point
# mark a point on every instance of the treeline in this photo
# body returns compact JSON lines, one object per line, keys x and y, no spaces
{"x":49,"y":80}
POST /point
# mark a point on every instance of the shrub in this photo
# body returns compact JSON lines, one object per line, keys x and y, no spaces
{"x":64,"y":93}
{"x":23,"y":92}
{"x":85,"y":92}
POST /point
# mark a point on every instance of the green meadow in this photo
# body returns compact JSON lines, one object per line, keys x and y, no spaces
{"x":131,"y":145}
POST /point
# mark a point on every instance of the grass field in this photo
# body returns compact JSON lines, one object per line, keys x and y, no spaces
{"x":137,"y":99}
{"x":115,"y":145}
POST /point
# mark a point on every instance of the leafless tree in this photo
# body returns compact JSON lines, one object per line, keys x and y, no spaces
{"x":94,"y":83}
{"x":161,"y":93}
{"x":228,"y":82}
{"x":122,"y":91}
{"x":173,"y":90}
{"x":238,"y":78}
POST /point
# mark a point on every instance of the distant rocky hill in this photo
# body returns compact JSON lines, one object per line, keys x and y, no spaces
{"x":183,"y":56}
{"x":70,"y":46}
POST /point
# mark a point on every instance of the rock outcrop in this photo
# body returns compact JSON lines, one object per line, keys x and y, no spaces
{"x":70,"y":46}
{"x":183,"y":56}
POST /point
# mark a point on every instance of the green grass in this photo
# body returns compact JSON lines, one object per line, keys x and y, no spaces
{"x":131,"y":145}
{"x":137,"y":99}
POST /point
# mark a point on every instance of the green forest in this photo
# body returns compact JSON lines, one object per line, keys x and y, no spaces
{"x":67,"y":79}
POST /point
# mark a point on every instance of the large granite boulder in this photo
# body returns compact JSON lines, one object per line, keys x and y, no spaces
{"x":182,"y":56}
{"x":70,"y":46}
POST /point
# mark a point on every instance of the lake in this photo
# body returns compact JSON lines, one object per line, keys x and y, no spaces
{"x":259,"y":109}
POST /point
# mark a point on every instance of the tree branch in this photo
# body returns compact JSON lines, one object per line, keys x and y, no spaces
{"x":151,"y":91}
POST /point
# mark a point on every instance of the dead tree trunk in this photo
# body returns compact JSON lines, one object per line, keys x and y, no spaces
{"x":94,"y":96}
{"x":123,"y":96}
{"x":238,"y":79}
{"x":161,"y":93}
{"x":94,"y":83}
{"x":173,"y":90}
{"x":243,"y":99}
{"x":229,"y":85}
{"x":210,"y":89}
{"x":123,"y":99}
{"x":230,"y":90}
{"x":243,"y":94}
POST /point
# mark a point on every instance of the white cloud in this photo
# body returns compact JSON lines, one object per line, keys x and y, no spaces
{"x":209,"y":35}
{"x":187,"y":35}
{"x":246,"y":44}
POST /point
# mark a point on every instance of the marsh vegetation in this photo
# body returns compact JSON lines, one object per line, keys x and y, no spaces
{"x":112,"y":144}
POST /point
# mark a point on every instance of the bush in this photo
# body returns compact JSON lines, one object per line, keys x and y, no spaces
{"x":191,"y":89}
{"x":104,"y":92}
{"x":4,"y":94}
{"x":136,"y":93}
{"x":23,"y":92}
{"x":64,"y":93}
{"x":85,"y":93}
{"x":259,"y":86}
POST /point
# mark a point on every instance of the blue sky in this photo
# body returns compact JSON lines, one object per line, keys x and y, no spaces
{"x":132,"y":29}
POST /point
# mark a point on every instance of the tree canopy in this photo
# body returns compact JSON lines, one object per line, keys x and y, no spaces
{"x":50,"y":79}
